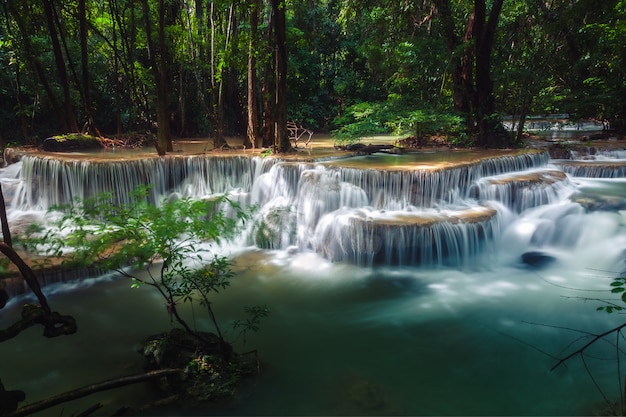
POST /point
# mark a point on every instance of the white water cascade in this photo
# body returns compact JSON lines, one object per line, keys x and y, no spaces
{"x":397,"y":285}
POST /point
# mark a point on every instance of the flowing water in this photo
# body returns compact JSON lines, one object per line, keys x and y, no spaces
{"x":398,"y":284}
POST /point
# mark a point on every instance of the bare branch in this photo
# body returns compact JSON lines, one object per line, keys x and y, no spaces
{"x":90,"y":389}
{"x":588,"y":344}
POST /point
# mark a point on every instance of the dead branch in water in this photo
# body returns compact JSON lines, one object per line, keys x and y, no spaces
{"x":90,"y":389}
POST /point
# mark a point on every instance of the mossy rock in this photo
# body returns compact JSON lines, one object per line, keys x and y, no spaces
{"x":212,"y":371}
{"x":71,"y":143}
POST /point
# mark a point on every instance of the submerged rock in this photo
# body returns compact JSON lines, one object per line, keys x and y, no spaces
{"x":358,"y":395}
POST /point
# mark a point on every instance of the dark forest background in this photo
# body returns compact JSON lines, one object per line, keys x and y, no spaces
{"x":198,"y":68}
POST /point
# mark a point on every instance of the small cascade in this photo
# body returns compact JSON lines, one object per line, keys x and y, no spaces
{"x":594,"y":168}
{"x":593,"y":153}
{"x":427,"y":238}
{"x":522,"y":190}
{"x":15,"y":285}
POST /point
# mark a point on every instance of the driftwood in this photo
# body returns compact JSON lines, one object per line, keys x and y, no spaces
{"x":90,"y":389}
{"x":297,"y":132}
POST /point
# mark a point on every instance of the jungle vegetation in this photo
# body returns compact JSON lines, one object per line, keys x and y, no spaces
{"x":198,"y":68}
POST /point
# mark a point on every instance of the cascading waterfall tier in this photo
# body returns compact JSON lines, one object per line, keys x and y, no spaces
{"x":522,"y":190}
{"x":430,"y":238}
{"x":407,"y":214}
{"x":594,"y":168}
{"x":48,"y":181}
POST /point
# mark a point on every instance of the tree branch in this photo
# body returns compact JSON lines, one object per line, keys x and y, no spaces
{"x":91,"y":389}
{"x":591,"y":342}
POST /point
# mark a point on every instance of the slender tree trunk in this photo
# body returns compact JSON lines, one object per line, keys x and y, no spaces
{"x":281,"y":140}
{"x":82,"y":16}
{"x":116,"y":70}
{"x":252,"y":130}
{"x":158,"y":60}
{"x":60,"y":65}
{"x":219,"y":141}
{"x":266,"y":90}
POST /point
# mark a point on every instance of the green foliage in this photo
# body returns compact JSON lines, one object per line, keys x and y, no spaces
{"x":397,"y":117}
{"x":361,"y":120}
{"x":253,"y":321}
{"x":173,"y":244}
{"x":618,"y":286}
{"x":423,"y":123}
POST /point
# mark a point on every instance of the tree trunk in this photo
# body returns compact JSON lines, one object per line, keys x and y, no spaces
{"x":281,"y":140}
{"x":252,"y":130}
{"x":116,"y":70}
{"x":219,"y":141}
{"x":485,"y":30}
{"x":158,"y":61}
{"x":84,"y":53}
{"x":267,"y":89}
{"x":472,"y":87}
{"x":60,"y":65}
{"x":462,"y":57}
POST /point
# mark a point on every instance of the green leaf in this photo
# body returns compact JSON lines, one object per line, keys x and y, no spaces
{"x":617,"y":290}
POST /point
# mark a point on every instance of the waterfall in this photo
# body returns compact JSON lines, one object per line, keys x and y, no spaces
{"x":594,"y":168}
{"x":48,"y":182}
{"x":521,"y":191}
{"x":419,"y":215}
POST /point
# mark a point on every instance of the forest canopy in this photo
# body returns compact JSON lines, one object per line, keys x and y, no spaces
{"x":192,"y":68}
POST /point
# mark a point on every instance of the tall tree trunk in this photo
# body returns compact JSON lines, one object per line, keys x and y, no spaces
{"x":472,"y":86}
{"x":60,"y":65}
{"x":461,"y":57}
{"x":267,"y":89}
{"x":485,"y":30}
{"x":116,"y":70}
{"x":82,"y":16}
{"x":218,"y":140}
{"x":158,"y":60}
{"x":252,"y":130}
{"x":281,"y":140}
